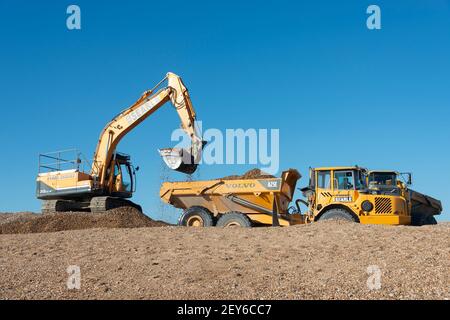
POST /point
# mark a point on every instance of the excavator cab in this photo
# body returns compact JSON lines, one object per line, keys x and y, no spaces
{"x":123,"y":179}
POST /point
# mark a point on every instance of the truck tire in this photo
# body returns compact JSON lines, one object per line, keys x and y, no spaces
{"x":337,"y":214}
{"x":430,"y":220}
{"x":234,"y":219}
{"x":419,"y":219}
{"x":196,"y":216}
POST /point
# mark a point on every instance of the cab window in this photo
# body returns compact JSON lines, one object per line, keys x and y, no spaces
{"x":383,"y":178}
{"x":116,"y":170}
{"x":344,"y":180}
{"x":126,"y":177}
{"x":324,"y":179}
{"x":360,"y":180}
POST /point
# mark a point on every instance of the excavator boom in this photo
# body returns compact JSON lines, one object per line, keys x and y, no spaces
{"x":177,"y":159}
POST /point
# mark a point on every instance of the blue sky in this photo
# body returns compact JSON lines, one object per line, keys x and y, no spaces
{"x":339,"y":93}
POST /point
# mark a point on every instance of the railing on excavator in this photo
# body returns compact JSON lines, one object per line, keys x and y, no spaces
{"x":69,"y":159}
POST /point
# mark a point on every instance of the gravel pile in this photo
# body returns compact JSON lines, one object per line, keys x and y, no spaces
{"x":251,"y":174}
{"x":15,"y":217}
{"x":27,"y":222}
{"x":324,"y":260}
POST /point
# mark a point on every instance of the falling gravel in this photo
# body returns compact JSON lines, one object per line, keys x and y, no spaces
{"x":324,"y":260}
{"x":251,"y":174}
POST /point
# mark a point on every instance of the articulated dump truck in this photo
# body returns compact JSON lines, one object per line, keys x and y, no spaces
{"x":346,"y":193}
{"x":241,"y":202}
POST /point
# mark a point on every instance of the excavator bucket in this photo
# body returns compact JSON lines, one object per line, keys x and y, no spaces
{"x":179,"y":160}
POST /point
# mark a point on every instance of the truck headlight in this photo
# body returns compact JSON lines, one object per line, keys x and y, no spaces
{"x":367,"y":206}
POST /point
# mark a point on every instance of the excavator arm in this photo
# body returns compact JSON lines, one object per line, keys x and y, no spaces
{"x":177,"y":159}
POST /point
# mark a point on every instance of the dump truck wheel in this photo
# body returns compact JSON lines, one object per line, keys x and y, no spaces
{"x":431,"y":220}
{"x":337,"y":214}
{"x":419,"y":219}
{"x":234,"y":219}
{"x":196,"y":217}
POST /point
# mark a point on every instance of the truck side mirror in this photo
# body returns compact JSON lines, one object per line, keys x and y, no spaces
{"x":409,"y":181}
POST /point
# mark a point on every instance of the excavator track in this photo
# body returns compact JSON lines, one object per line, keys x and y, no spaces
{"x":52,"y":206}
{"x":97,"y":204}
{"x":102,"y":204}
{"x":63,"y":205}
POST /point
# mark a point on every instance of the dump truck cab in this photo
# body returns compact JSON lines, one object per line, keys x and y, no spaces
{"x":343,"y":192}
{"x":422,"y":208}
{"x":388,"y":182}
{"x":382,"y":180}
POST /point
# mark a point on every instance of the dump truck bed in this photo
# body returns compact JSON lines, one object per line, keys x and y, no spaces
{"x":257,"y":198}
{"x":423,"y":204}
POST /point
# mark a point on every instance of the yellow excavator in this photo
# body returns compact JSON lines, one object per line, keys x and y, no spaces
{"x":62,"y":183}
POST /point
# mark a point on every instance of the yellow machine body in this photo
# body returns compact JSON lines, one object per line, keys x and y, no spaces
{"x":345,"y":188}
{"x":261,"y":200}
{"x":63,"y":182}
{"x":332,"y":190}
{"x":111,"y":176}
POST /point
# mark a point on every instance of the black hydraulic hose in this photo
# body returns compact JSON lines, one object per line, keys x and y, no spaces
{"x":297,"y":204}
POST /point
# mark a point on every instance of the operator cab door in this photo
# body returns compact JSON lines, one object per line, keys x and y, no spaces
{"x":324,"y":194}
{"x":344,"y":185}
{"x":122,"y":180}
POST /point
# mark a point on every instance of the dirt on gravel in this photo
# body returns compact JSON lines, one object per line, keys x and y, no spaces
{"x":324,"y":260}
{"x":251,"y":174}
{"x":28,"y":222}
